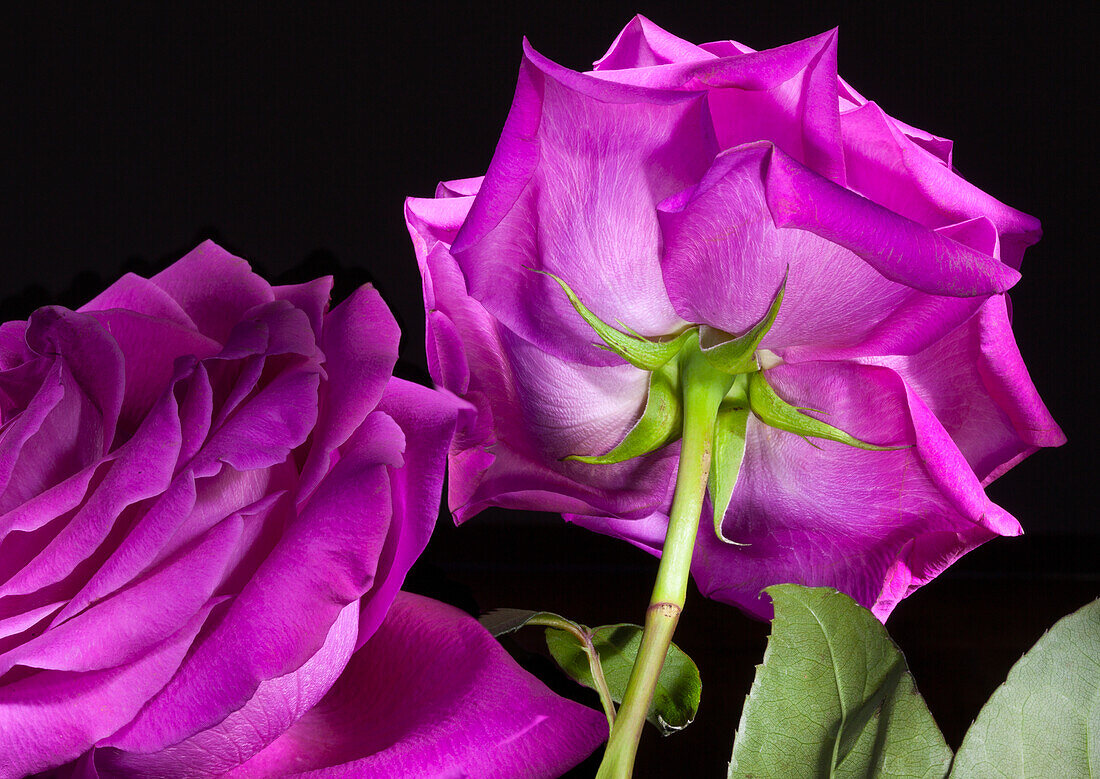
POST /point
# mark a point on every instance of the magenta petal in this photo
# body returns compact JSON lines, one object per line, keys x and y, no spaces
{"x":625,"y":149}
{"x":143,"y":544}
{"x":52,"y":717}
{"x":894,"y":170}
{"x":900,"y":249}
{"x":131,"y":622}
{"x":265,"y":428}
{"x":838,"y":516}
{"x":463,"y":708}
{"x":432,"y":225}
{"x":139,"y":470}
{"x":642,"y":44}
{"x":326,"y":558}
{"x":976,"y":384}
{"x":70,"y":422}
{"x":311,"y":297}
{"x":140,"y":296}
{"x":49,"y":505}
{"x":360,"y":345}
{"x":428,"y":419}
{"x":275,"y":706}
{"x":459,"y":187}
{"x":788,"y":95}
{"x":431,"y":221}
{"x":214,"y":288}
{"x":725,"y":258}
{"x":150,"y":348}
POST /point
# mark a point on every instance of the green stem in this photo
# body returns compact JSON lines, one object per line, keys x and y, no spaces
{"x":601,"y":683}
{"x":594,"y":665}
{"x":703,"y":389}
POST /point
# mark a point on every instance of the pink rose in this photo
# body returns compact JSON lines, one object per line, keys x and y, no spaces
{"x":211,"y":490}
{"x":676,"y":187}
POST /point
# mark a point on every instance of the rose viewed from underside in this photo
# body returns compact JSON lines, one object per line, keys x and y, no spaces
{"x":679,"y":186}
{"x":211,"y":490}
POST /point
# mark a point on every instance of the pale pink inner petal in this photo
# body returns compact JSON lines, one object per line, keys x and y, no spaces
{"x":582,"y":206}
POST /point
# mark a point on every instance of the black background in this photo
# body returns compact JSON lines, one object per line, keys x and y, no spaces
{"x":292,"y":134}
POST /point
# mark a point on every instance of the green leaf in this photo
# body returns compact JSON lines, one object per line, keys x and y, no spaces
{"x":778,"y":413}
{"x":725,"y":466}
{"x":833,"y":698}
{"x":660,"y":423}
{"x":501,"y":621}
{"x":636,"y":350}
{"x":735,"y":354}
{"x":1045,"y":719}
{"x":676,"y":699}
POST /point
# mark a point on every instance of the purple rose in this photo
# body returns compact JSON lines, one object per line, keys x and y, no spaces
{"x":211,"y":490}
{"x":680,"y":186}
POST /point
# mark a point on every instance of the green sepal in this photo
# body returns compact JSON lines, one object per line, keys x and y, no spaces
{"x":638,"y":351}
{"x":736,"y":354}
{"x":776,"y":412}
{"x":661,"y":422}
{"x":725,"y":464}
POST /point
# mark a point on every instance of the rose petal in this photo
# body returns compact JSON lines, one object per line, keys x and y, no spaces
{"x":265,"y":428}
{"x":533,"y":409}
{"x":897,"y":247}
{"x":325,"y":559}
{"x":894,"y":171}
{"x":311,"y":297}
{"x":139,"y":470}
{"x":459,"y":187}
{"x":183,"y":514}
{"x":140,"y":296}
{"x":275,"y":706}
{"x":431,"y":221}
{"x":725,"y":258}
{"x":24,"y":620}
{"x":626,"y":149}
{"x":33,"y":420}
{"x":976,"y":384}
{"x":787,"y":95}
{"x":70,"y":422}
{"x":123,"y":627}
{"x":853,"y":513}
{"x":428,"y":419}
{"x":642,"y":44}
{"x":150,"y":348}
{"x":214,"y":288}
{"x":53,"y":716}
{"x":186,"y":509}
{"x":91,"y":355}
{"x":464,"y":709}
{"x":360,"y":345}
{"x":432,"y":226}
{"x":13,"y":345}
